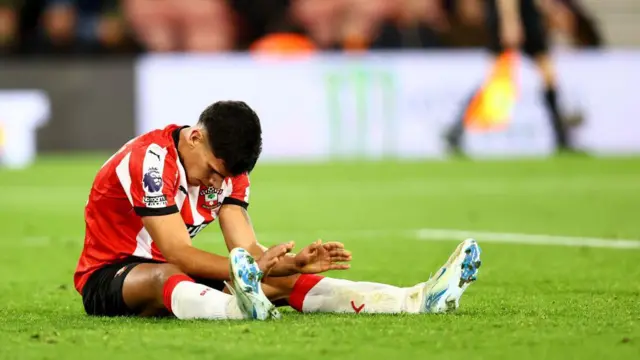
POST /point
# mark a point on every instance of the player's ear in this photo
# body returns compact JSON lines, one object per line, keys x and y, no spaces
{"x":196,"y":137}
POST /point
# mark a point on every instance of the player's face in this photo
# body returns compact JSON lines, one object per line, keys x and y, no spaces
{"x":202,"y":167}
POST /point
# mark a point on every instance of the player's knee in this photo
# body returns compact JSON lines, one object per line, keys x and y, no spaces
{"x":164,"y":272}
{"x":159,"y":278}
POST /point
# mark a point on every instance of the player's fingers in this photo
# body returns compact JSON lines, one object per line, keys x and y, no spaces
{"x":290,"y":245}
{"x":340,"y":258}
{"x":267,"y":263}
{"x":287,"y":247}
{"x":333,"y":245}
{"x":278,"y":251}
{"x":339,"y":252}
{"x":339,"y":267}
{"x":342,"y":255}
{"x":278,"y":248}
{"x":311,"y":248}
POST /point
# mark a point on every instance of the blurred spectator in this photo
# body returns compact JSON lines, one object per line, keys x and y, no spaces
{"x":363,"y":22}
{"x":259,"y":18}
{"x":182,"y":25}
{"x":70,"y":26}
{"x":467,"y":23}
{"x":412,"y":24}
{"x":8,"y":24}
{"x":60,"y":20}
{"x":126,"y":26}
{"x":321,"y":20}
{"x":572,"y":21}
{"x":471,"y":12}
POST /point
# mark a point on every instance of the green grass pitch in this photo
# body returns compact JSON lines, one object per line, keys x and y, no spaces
{"x":531,"y":301}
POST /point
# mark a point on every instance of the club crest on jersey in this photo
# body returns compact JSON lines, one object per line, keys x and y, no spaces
{"x":211,"y":198}
{"x":152,"y":180}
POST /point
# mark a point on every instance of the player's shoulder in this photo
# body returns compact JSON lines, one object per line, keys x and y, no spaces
{"x":236,"y":190}
{"x":159,"y":143}
{"x":241,"y":179}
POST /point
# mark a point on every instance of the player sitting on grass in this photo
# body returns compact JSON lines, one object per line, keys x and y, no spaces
{"x":162,"y":188}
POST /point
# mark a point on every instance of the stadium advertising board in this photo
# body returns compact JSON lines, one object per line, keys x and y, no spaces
{"x":91,"y":100}
{"x":391,"y":105}
{"x":21,"y":114}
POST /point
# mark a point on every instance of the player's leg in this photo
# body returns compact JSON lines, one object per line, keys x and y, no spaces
{"x":188,"y":299}
{"x":162,"y":289}
{"x":536,"y":46}
{"x":140,"y":287}
{"x":313,"y":293}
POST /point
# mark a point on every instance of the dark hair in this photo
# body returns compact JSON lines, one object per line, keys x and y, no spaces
{"x":234,"y":133}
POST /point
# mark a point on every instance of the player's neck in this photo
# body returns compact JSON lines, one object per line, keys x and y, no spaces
{"x":183,"y":136}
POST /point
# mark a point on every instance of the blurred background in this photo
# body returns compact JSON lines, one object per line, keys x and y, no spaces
{"x":362,"y":103}
{"x":380,"y":78}
{"x":128,"y":27}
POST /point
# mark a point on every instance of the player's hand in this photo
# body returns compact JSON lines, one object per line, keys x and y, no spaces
{"x":511,"y":34}
{"x":319,"y":257}
{"x":272,"y":256}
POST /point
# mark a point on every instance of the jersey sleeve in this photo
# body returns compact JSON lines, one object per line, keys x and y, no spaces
{"x":239,"y":195}
{"x":154,"y":177}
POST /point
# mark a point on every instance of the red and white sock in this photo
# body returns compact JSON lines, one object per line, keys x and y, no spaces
{"x":189,"y":300}
{"x":313,"y":293}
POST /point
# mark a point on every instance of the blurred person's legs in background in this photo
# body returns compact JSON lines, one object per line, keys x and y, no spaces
{"x":535,"y":46}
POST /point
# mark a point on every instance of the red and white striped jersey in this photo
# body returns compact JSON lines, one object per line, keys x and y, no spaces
{"x":146,"y":178}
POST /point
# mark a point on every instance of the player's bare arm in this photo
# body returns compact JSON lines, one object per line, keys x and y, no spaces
{"x":317,"y":257}
{"x":173,"y":240}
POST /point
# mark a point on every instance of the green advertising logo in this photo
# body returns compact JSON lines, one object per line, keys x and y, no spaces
{"x":359,"y":99}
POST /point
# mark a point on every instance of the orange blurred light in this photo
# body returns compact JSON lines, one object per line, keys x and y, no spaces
{"x":283,"y":44}
{"x":492,"y":107}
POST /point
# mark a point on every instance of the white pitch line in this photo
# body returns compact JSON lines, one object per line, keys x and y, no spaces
{"x":526,"y":239}
{"x":426,"y":234}
{"x":429,"y":234}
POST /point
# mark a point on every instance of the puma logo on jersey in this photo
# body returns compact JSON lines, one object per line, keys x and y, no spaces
{"x":155,"y":154}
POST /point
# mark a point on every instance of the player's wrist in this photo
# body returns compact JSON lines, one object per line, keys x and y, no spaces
{"x":285,"y":267}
